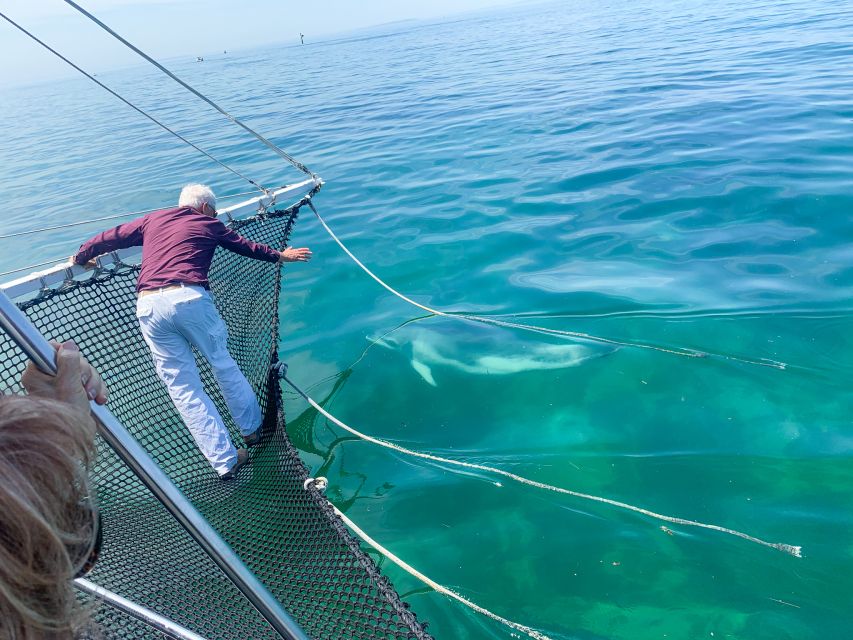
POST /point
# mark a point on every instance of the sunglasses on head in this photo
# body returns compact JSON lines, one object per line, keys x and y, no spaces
{"x":89,"y":563}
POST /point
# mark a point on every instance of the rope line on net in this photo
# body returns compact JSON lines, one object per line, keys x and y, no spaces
{"x":533,"y":633}
{"x":118,"y":216}
{"x":795,"y":551}
{"x":275,"y":148}
{"x":687,"y":353}
{"x":129,"y":103}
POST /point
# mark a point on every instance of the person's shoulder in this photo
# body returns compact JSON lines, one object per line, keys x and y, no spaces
{"x":218,"y":224}
{"x":170,"y":212}
{"x":175,"y":213}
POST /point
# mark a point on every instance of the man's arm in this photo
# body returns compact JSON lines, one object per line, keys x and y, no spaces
{"x":125,"y":235}
{"x":233,"y":241}
{"x":303,"y":254}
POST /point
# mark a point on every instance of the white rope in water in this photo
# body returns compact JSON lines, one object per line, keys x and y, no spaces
{"x":432,"y":583}
{"x":773,"y":364}
{"x":527,"y":327}
{"x":779,"y":546}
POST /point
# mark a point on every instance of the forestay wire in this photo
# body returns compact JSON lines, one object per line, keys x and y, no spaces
{"x":61,"y":259}
{"x":118,"y":216}
{"x":68,"y":225}
{"x":779,"y":546}
{"x":289,"y":158}
{"x":57,"y":260}
{"x":129,"y":103}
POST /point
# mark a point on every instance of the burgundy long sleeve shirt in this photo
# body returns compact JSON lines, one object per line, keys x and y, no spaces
{"x":177,"y":246}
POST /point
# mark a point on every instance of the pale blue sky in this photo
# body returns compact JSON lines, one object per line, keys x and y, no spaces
{"x":168,"y":28}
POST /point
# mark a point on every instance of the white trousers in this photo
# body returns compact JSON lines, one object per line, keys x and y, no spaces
{"x":172,"y":321}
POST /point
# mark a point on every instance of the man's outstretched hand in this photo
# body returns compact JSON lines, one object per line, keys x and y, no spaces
{"x":72,"y":262}
{"x":295,"y":255}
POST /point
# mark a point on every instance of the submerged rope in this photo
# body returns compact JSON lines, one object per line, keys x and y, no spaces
{"x":144,"y":55}
{"x":537,"y":635}
{"x":527,"y":327}
{"x":773,"y":364}
{"x":129,"y":103}
{"x":779,"y":546}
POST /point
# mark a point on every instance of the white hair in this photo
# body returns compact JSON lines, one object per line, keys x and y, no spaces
{"x":196,"y":195}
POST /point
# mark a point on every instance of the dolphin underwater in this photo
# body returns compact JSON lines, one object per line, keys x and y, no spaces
{"x":479,"y":355}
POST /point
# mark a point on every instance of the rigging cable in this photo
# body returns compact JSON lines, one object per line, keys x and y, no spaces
{"x":779,"y":546}
{"x":55,"y":261}
{"x":289,"y":158}
{"x":118,"y":216}
{"x":61,"y":260}
{"x":128,"y":103}
{"x":687,"y":353}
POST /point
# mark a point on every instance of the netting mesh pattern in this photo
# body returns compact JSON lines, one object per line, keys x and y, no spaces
{"x":111,"y":618}
{"x":285,"y":534}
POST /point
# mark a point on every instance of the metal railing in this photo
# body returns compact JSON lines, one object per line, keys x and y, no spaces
{"x":19,"y":328}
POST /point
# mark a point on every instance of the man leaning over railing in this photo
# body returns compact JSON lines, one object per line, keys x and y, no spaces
{"x":176,"y":312}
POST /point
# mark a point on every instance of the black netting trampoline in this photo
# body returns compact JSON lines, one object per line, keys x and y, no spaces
{"x":288,"y":536}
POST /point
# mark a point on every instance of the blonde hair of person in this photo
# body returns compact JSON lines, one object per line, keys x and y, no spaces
{"x":47,"y":519}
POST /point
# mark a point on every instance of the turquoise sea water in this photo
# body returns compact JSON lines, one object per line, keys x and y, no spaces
{"x":677,"y":175}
